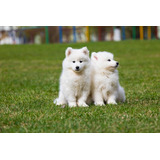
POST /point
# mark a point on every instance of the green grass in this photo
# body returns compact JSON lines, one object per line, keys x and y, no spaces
{"x":29,"y":80}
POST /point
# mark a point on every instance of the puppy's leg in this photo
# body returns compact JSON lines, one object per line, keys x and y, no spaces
{"x":112,"y":99}
{"x":82,"y":100}
{"x":98,"y":99}
{"x":60,"y":100}
{"x":71,"y":100}
{"x":72,"y":103}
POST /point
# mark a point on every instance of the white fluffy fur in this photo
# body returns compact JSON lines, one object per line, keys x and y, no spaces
{"x":75,"y":84}
{"x":105,"y":82}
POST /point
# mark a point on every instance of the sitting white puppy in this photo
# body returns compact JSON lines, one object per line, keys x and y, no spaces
{"x":105,"y":82}
{"x":75,"y":79}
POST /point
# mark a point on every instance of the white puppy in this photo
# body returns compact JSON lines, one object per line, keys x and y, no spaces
{"x":105,"y":82}
{"x":75,"y":79}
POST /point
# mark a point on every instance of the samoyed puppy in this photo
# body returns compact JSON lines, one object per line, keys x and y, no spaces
{"x":105,"y":86}
{"x":75,"y":79}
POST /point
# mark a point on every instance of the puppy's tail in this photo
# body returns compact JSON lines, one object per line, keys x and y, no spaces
{"x":121,"y":94}
{"x":55,"y":101}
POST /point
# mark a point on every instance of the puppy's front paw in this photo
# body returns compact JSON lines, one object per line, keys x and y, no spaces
{"x":112,"y":102}
{"x":99,"y":103}
{"x":82,"y":104}
{"x":72,"y":104}
{"x":58,"y":102}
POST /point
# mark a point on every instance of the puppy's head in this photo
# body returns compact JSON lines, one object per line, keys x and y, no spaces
{"x":77,"y":59}
{"x":104,"y":60}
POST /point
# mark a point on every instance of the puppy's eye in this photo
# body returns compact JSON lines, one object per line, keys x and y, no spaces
{"x":73,"y":61}
{"x":80,"y":61}
{"x":108,"y":60}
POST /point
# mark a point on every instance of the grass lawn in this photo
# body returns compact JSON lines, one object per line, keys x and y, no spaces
{"x":29,"y":80}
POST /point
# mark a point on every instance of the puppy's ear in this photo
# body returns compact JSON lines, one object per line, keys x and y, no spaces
{"x":68,"y":51}
{"x":94,"y":56}
{"x":85,"y":51}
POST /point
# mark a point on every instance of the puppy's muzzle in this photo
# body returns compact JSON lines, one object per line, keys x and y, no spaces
{"x":77,"y":68}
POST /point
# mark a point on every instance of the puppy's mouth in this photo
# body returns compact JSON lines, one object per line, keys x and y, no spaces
{"x":116,"y":65}
{"x":77,"y":70}
{"x":111,"y":68}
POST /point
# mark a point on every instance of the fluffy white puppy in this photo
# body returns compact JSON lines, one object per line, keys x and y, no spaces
{"x":75,"y":79}
{"x":105,"y":86}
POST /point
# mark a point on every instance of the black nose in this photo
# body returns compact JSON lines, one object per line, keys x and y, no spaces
{"x":77,"y":68}
{"x":117,"y":63}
